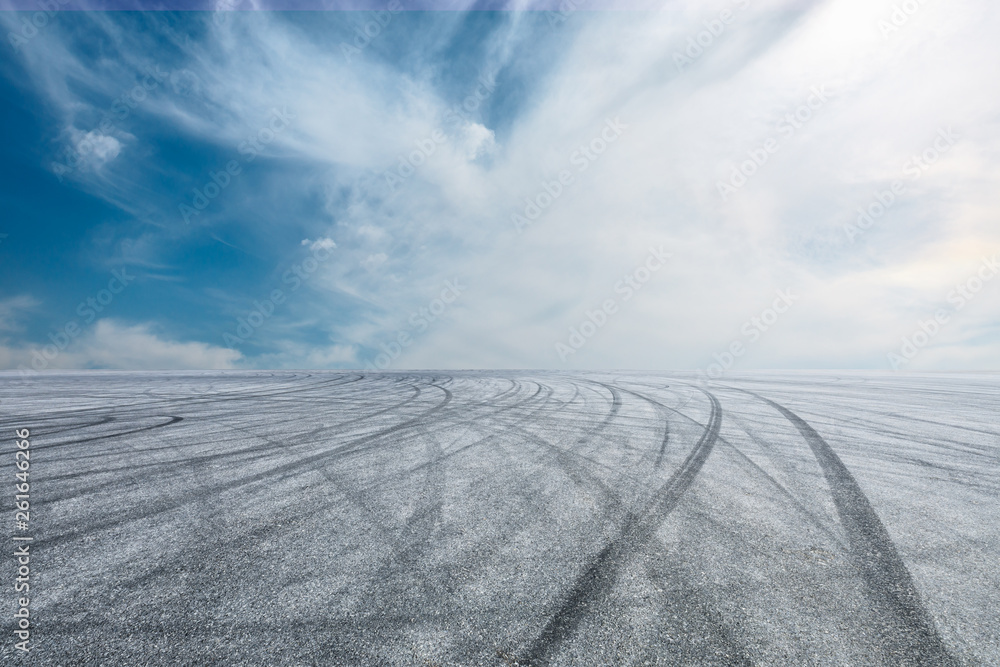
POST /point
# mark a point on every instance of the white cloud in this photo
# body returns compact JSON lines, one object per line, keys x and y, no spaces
{"x":14,"y":309}
{"x":91,"y":150}
{"x":114,"y":345}
{"x":373,"y":262}
{"x":656,"y":184}
{"x":478,"y":140}
{"x":320,"y":244}
{"x":102,"y":147}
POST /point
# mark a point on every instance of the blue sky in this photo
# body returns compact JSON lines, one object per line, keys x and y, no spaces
{"x":703,"y":185}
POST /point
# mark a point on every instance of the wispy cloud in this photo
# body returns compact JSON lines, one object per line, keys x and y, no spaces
{"x":472,"y":114}
{"x":110,"y":344}
{"x":13,"y":310}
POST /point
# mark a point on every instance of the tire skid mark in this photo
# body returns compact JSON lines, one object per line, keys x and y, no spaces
{"x":491,"y":438}
{"x":76,"y":427}
{"x":359,"y":498}
{"x":816,"y":519}
{"x":430,"y":512}
{"x":173,"y":420}
{"x":788,"y":495}
{"x":450,"y":424}
{"x":292,"y":468}
{"x":468,"y":423}
{"x":302,"y":464}
{"x":667,"y":411}
{"x":666,"y":424}
{"x":909,"y":631}
{"x":600,"y":576}
{"x":440,"y":426}
{"x":945,"y":443}
{"x":570,"y":459}
{"x":616,"y":405}
{"x":570,"y":462}
{"x":778,"y":485}
{"x":142,"y":409}
{"x":243,"y":455}
{"x":939,"y":423}
{"x":486,"y":439}
{"x":158,"y":404}
{"x":406,"y":549}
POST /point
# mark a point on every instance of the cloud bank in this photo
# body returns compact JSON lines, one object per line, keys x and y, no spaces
{"x":838,"y":150}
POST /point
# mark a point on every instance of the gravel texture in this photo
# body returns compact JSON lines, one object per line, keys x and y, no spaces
{"x":506,"y":518}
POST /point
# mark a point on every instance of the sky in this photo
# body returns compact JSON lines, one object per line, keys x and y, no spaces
{"x":713,"y":186}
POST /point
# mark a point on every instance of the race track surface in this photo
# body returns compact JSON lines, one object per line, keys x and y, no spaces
{"x":506,"y":518}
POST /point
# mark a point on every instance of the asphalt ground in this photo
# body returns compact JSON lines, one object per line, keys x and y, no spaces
{"x":505,"y":518}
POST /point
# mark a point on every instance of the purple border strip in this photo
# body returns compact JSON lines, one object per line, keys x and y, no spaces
{"x":326,"y":5}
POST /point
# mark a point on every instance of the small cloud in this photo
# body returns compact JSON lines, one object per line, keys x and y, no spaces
{"x":477,"y":141}
{"x":95,"y":147}
{"x":371,"y":232}
{"x":320,"y":244}
{"x":372,"y":262}
{"x":323,"y":244}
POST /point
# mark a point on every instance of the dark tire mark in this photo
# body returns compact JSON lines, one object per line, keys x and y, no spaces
{"x":908,"y":631}
{"x":600,"y":576}
{"x":298,"y":465}
{"x":173,"y":420}
{"x":666,"y":424}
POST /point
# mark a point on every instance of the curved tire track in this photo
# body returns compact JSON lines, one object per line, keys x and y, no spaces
{"x":602,"y":573}
{"x":909,"y":632}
